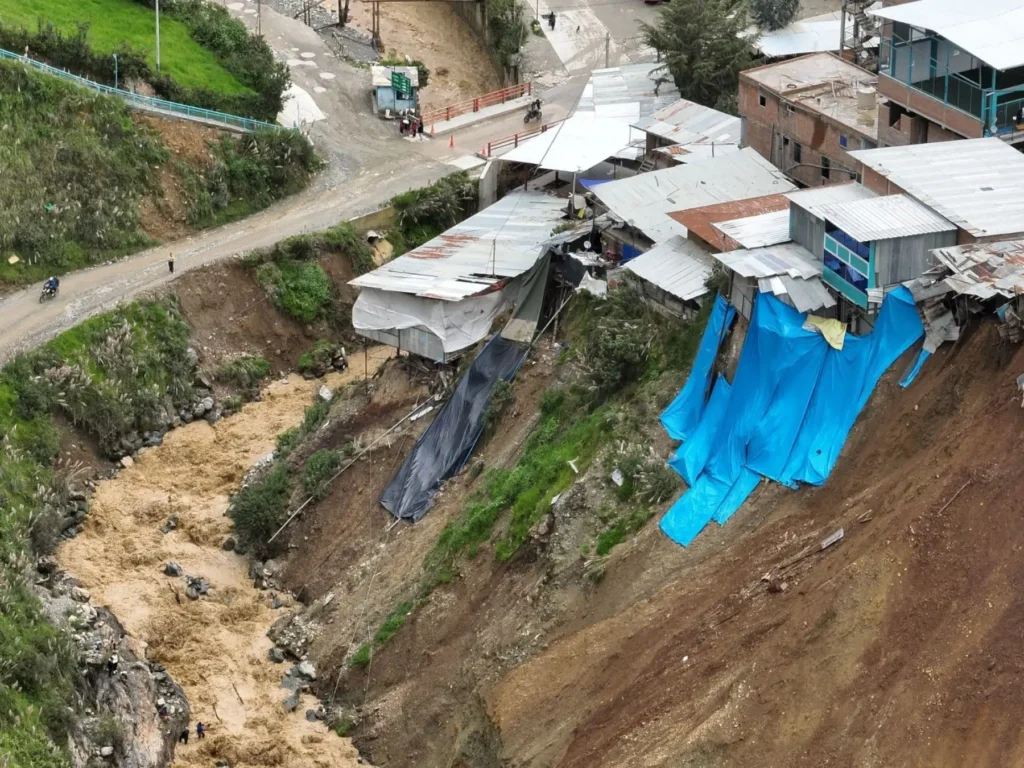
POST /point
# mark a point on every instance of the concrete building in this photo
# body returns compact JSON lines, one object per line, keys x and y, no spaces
{"x":951,"y":69}
{"x":805,"y":115}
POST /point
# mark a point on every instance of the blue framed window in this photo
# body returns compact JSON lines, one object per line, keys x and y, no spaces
{"x":843,"y":141}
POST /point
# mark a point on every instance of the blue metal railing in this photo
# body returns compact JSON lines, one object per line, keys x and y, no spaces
{"x":148,"y":103}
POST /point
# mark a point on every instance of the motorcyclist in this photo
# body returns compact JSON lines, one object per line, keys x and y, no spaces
{"x":534,"y":109}
{"x":51,"y":285}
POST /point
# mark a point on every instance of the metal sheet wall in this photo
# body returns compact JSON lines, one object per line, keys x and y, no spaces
{"x":807,"y":230}
{"x":905,"y":258}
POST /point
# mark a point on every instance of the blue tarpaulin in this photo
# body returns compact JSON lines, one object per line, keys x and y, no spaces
{"x":683,"y":413}
{"x":909,"y":376}
{"x":788,"y":411}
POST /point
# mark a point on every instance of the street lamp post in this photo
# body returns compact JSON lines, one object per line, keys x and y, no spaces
{"x":115,"y":71}
{"x":157,"y":35}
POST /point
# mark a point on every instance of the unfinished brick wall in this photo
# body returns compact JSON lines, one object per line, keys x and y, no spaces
{"x":774,"y":129}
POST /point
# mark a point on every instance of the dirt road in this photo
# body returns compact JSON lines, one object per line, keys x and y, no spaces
{"x":215,"y":647}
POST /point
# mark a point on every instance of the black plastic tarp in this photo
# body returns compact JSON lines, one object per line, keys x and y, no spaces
{"x":447,"y":443}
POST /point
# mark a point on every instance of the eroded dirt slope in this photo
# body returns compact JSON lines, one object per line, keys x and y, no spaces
{"x":897,"y":647}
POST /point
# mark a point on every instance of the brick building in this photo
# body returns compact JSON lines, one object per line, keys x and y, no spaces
{"x":804,"y":115}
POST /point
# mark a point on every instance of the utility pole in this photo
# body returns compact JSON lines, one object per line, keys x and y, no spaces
{"x":157,"y":35}
{"x":115,"y":71}
{"x":259,"y":18}
{"x":607,"y":48}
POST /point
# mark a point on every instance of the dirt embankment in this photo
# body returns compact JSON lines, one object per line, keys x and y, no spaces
{"x":898,"y":646}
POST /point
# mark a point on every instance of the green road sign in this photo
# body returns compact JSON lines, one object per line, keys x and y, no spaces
{"x":401,"y":83}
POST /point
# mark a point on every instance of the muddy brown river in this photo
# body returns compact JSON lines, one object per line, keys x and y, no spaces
{"x":216,"y":647}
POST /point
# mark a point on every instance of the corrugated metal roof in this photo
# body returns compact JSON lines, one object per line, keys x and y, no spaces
{"x":500,"y":242}
{"x":600,"y":127}
{"x":978,"y":184}
{"x":686,"y":122}
{"x":815,"y":34}
{"x":805,"y":295}
{"x":626,"y":93}
{"x":984,"y":269}
{"x":884,"y":218}
{"x":701,"y":221}
{"x":381,"y":75}
{"x":790,"y":259}
{"x":690,"y":153}
{"x":645,"y":201}
{"x":677,"y":266}
{"x":811,"y":199}
{"x":990,"y":30}
{"x":757,"y":231}
{"x":576,"y":145}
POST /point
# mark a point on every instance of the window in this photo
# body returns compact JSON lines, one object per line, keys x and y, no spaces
{"x":843,"y":141}
{"x":790,"y":109}
{"x":868,"y":144}
{"x":826,"y":167}
{"x":796,"y":152}
{"x":785,"y":141}
{"x":761,"y":100}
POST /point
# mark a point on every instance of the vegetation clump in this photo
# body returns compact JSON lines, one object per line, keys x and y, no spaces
{"x":208,"y":59}
{"x":423,"y":214}
{"x":259,"y":509}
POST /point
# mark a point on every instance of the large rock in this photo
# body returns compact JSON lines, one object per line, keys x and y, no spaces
{"x":305,"y":670}
{"x":80,"y":595}
{"x":172,"y":569}
{"x":291,"y":703}
{"x":276,"y":655}
{"x":229,"y":544}
{"x":127,"y":462}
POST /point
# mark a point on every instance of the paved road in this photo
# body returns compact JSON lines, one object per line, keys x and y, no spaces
{"x":367,"y":164}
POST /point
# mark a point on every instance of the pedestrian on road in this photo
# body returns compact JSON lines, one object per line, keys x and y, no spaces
{"x":200,"y":731}
{"x":183,"y":738}
{"x":419,"y":128}
{"x":551,"y":20}
{"x":577,"y":30}
{"x":170,"y":262}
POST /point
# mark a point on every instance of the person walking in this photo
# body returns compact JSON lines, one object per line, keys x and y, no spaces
{"x":551,"y":20}
{"x":183,"y":737}
{"x":170,"y":262}
{"x":200,"y":731}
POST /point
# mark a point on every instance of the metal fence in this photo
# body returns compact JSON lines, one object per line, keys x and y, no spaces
{"x":146,"y":103}
{"x":480,"y":102}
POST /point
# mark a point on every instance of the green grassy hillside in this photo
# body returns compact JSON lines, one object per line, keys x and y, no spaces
{"x":113,"y":23}
{"x":75,"y":168}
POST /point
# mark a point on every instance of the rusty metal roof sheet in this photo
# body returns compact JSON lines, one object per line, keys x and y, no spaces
{"x":702,"y":221}
{"x":500,"y":242}
{"x":984,"y":270}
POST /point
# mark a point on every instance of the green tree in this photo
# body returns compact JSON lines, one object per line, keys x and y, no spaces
{"x":703,"y":47}
{"x":773,"y":14}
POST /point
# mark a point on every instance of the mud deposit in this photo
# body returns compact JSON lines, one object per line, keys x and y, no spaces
{"x":216,"y":647}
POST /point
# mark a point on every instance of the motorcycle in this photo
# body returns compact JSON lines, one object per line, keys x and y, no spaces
{"x":48,"y":293}
{"x":533,"y":113}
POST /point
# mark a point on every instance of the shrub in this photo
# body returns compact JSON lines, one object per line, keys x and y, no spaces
{"x":245,"y":372}
{"x":616,"y":334}
{"x":258,"y":510}
{"x":318,"y":471}
{"x":499,"y":399}
{"x":422,"y":214}
{"x":287,"y":441}
{"x":388,"y":629}
{"x":301,"y":289}
{"x":317,"y":360}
